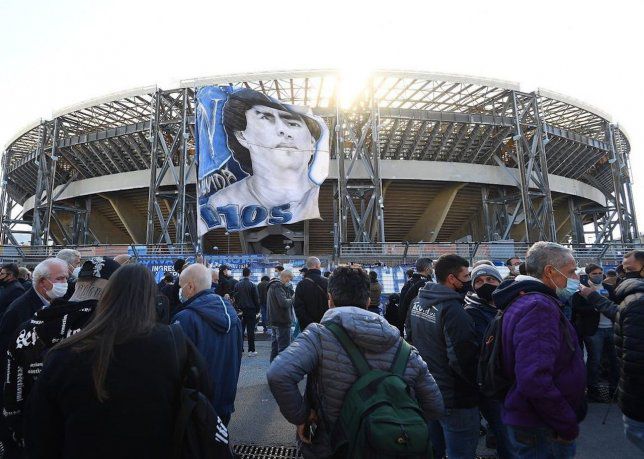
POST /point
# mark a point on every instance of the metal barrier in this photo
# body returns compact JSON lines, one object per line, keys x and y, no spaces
{"x":395,"y":253}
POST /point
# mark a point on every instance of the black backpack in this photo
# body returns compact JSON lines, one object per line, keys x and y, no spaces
{"x":198,"y":431}
{"x":492,"y":381}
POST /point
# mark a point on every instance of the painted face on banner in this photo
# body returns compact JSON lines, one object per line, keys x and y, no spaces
{"x":277,"y":137}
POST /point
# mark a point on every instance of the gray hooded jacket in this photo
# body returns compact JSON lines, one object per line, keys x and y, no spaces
{"x":316,"y":352}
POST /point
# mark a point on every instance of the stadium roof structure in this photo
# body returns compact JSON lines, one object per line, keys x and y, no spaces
{"x":536,"y":139}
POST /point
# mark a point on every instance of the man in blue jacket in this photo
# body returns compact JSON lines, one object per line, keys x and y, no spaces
{"x":212,"y":325}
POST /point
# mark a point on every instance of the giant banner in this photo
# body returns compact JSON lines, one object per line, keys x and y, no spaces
{"x":261,"y":161}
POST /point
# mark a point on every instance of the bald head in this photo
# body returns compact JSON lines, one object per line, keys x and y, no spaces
{"x":313,"y":263}
{"x":194,"y":279}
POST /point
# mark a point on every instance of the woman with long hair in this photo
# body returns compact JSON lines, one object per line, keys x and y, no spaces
{"x":111,"y":389}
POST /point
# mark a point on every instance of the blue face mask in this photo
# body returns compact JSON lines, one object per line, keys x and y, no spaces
{"x":182,"y":298}
{"x":572,"y":287}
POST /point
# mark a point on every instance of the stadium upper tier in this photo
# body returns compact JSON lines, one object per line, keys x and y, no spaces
{"x":414,"y":157}
{"x":422,"y":117}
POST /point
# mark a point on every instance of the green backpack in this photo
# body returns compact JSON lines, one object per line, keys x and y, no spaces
{"x":379,"y":417}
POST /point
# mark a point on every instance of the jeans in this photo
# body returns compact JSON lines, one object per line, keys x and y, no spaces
{"x":280,"y":340}
{"x":634,"y":431}
{"x":461,"y":428}
{"x":437,"y":438}
{"x":600,"y":342}
{"x":248,"y":325}
{"x":538,"y":443}
{"x":491,"y":411}
{"x":264,"y":313}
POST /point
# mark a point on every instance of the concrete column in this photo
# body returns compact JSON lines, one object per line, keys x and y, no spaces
{"x":431,"y":221}
{"x":134,"y":222}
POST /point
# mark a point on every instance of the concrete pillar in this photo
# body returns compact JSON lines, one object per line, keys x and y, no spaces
{"x":431,"y":221}
{"x":134,"y":222}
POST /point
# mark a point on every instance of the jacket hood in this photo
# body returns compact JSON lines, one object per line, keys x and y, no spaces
{"x":368,"y":330}
{"x":437,"y":293}
{"x":62,"y":319}
{"x":628,"y":287}
{"x":510,"y":289}
{"x":472,"y":300}
{"x":212,"y":309}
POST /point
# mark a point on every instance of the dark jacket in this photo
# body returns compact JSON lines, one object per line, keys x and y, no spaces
{"x":65,"y":420}
{"x":445,"y":337}
{"x":212,"y":325}
{"x":11,"y":292}
{"x":171,"y":291}
{"x":481,"y":313}
{"x":246,"y":296}
{"x":26,"y":284}
{"x":262,"y":290}
{"x":629,"y":342}
{"x":318,"y":353}
{"x":585,"y":319}
{"x":375,"y":290}
{"x":407,"y":296}
{"x":279,"y":302}
{"x":311,"y":300}
{"x":226,"y":286}
{"x":26,"y":353}
{"x":541,"y":354}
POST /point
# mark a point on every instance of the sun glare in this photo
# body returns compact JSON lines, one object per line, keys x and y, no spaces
{"x":353,"y":82}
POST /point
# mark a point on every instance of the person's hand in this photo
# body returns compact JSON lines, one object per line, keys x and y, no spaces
{"x":561,"y":441}
{"x":585,"y":291}
{"x":302,"y":429}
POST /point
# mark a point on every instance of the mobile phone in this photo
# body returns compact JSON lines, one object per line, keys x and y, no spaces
{"x":313,"y":427}
{"x":583,"y":279}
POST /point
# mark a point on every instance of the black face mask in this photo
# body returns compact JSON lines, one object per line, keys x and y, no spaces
{"x":632,"y":275}
{"x":485,"y":291}
{"x":465,"y":287}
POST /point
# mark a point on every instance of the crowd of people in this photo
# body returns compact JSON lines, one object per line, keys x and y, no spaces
{"x":92,"y":367}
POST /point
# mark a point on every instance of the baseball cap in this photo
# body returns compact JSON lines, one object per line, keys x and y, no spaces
{"x":98,"y":268}
{"x":486,"y":270}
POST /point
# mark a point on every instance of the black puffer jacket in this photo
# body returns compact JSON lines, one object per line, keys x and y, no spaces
{"x":445,"y":338}
{"x":628,"y":315}
{"x":310,"y":301}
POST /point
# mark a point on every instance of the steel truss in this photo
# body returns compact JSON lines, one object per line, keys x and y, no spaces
{"x":360,"y":204}
{"x":172,"y":215}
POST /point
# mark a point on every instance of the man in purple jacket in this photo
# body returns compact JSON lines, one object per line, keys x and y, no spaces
{"x":541,"y":355}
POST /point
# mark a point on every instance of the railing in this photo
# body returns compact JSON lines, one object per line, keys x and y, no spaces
{"x":393,"y":253}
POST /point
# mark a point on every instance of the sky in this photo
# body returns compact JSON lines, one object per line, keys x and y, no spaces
{"x":58,"y":53}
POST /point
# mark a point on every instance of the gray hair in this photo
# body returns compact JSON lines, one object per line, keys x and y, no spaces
{"x":286,"y":273}
{"x":43,"y":269}
{"x":198,"y":274}
{"x":69,"y":255}
{"x":313,"y":263}
{"x":546,"y":253}
{"x":423,"y":264}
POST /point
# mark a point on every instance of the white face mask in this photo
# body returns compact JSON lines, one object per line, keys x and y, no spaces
{"x":76,"y":271}
{"x":58,"y":290}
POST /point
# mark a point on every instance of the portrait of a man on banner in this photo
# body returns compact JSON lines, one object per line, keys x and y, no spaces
{"x":261,"y":161}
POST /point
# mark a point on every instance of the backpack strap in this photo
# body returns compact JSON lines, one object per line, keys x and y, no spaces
{"x":358,"y":360}
{"x":316,"y":284}
{"x":180,"y":350}
{"x":402,"y":357}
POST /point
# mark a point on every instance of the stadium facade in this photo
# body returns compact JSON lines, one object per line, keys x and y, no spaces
{"x":415,"y":157}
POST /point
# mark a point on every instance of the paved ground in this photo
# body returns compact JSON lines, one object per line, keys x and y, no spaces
{"x":258,"y":420}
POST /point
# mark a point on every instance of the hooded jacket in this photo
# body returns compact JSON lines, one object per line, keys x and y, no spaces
{"x":27,"y":351}
{"x":316,"y":352}
{"x":212,"y":325}
{"x":628,"y":314}
{"x":445,"y":338}
{"x":481,"y":313}
{"x":279,"y":302}
{"x":310,"y":301}
{"x":541,"y":354}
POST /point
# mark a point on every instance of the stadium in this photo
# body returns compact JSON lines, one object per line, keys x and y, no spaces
{"x":416,"y":159}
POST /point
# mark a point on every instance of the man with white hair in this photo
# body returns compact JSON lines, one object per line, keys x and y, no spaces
{"x":49,"y":283}
{"x":212,"y":325}
{"x":311,"y":300}
{"x":73,"y":259}
{"x":541,"y":355}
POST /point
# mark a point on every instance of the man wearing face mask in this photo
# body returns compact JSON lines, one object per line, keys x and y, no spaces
{"x":49,"y":325}
{"x":13,"y":289}
{"x":479,"y":304}
{"x":628,"y":314}
{"x":596,"y":331}
{"x":541,"y":355}
{"x":212,"y":325}
{"x":73,"y":259}
{"x":445,"y":338}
